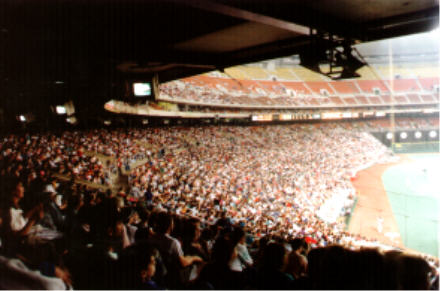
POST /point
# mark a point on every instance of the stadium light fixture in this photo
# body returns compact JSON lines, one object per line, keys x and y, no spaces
{"x":107,"y":122}
{"x":432,"y":134}
{"x":403,"y":135}
{"x":22,"y":118}
{"x":389,"y":135}
{"x":145,"y":121}
{"x":60,"y":109}
{"x":418,"y":135}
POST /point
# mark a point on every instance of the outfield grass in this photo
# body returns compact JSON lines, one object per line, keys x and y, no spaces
{"x":413,"y":190}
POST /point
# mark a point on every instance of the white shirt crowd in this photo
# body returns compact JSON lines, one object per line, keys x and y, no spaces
{"x":275,"y":179}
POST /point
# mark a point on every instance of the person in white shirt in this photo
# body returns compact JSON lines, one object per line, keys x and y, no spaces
{"x":22,"y":224}
{"x":243,"y":259}
{"x":380,"y":224}
{"x":14,"y":274}
{"x":170,"y":249}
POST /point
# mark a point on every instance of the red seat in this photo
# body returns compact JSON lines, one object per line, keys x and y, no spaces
{"x":336,"y":100}
{"x":429,"y":83}
{"x":405,"y":85}
{"x":368,"y":86}
{"x":350,"y":101}
{"x":317,"y":87}
{"x":345,"y":87}
{"x":362,"y":100}
{"x":413,"y":98}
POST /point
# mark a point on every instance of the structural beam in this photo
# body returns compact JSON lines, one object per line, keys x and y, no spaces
{"x":245,"y":15}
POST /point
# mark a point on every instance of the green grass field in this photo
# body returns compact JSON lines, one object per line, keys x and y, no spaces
{"x":414,"y":193}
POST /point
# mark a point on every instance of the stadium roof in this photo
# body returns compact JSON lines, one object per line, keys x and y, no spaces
{"x":57,"y":50}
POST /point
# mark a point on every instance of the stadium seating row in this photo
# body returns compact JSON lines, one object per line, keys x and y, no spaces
{"x":299,"y":73}
{"x":350,"y":87}
{"x":216,"y":90}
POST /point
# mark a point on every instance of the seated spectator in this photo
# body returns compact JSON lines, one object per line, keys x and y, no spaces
{"x":147,"y":273}
{"x":131,"y":219}
{"x":413,"y":273}
{"x":96,"y":266}
{"x":170,"y":250}
{"x":191,"y":246}
{"x":218,"y":274}
{"x":15,"y":275}
{"x":243,"y":259}
{"x":300,"y":246}
{"x":366,"y":269}
{"x":270,"y":274}
{"x":23,"y":238}
{"x":53,"y":218}
{"x":136,"y":268}
{"x":334,"y":263}
{"x":335,"y":267}
{"x":144,"y":230}
{"x":296,"y":265}
{"x":21,"y":227}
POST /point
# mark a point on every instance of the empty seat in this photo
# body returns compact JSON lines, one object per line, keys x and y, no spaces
{"x":320,"y":87}
{"x":374,"y":100}
{"x":350,"y":101}
{"x":369,"y":86}
{"x":429,"y":84}
{"x":413,"y":98}
{"x":362,"y":100}
{"x":336,"y":100}
{"x":345,"y":87}
{"x":404,"y":85}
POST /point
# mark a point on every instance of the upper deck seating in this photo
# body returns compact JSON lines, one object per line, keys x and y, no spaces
{"x":369,"y":86}
{"x":345,"y":87}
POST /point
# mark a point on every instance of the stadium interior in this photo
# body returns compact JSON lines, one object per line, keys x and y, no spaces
{"x":214,"y":144}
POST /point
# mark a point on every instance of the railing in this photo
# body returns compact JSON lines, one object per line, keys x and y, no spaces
{"x":83,"y":182}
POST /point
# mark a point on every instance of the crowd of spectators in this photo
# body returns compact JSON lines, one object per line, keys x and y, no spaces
{"x":421,"y":122}
{"x":31,"y":156}
{"x":212,"y":208}
{"x":218,"y":94}
{"x":109,"y":242}
{"x":379,"y":124}
{"x":273,"y":179}
{"x":120,"y":145}
{"x":225,"y":91}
